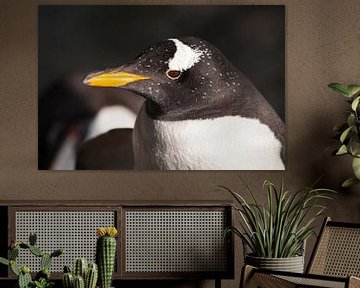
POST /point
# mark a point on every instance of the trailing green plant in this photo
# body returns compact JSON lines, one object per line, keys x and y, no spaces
{"x":279,"y":229}
{"x":348,"y":132}
{"x":84,"y":275}
{"x":42,"y":278}
{"x":106,"y":254}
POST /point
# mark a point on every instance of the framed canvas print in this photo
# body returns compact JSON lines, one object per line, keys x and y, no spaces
{"x":197,"y":87}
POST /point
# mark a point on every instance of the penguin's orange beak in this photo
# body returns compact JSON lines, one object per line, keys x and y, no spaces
{"x":112,"y":78}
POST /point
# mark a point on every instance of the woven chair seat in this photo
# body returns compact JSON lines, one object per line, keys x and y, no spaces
{"x":335,"y":262}
{"x":314,"y":282}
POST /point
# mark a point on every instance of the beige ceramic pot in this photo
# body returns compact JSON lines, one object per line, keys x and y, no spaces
{"x":291,"y":264}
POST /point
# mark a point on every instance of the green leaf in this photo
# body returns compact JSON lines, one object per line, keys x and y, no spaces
{"x":14,"y":268}
{"x":36,"y":251}
{"x":24,"y":280}
{"x":32,"y":238}
{"x":45,"y":261}
{"x":24,"y":245}
{"x":342,"y":150}
{"x":279,"y":228}
{"x":25,"y":269}
{"x":353,"y":89}
{"x":355,"y":103}
{"x":340,"y":88}
{"x":349,"y":182}
{"x":355,"y":129}
{"x":351,"y":120}
{"x":4,"y":261}
{"x":13,"y":253}
{"x":354,"y":145}
{"x":345,"y":134}
{"x":356,"y":167}
{"x":57,"y":253}
{"x":340,"y":127}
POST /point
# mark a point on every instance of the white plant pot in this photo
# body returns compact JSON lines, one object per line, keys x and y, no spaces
{"x":291,"y":264}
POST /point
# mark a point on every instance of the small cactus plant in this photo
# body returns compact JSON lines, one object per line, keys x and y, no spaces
{"x":42,"y":278}
{"x":81,"y":266}
{"x":106,"y":254}
{"x":68,"y":278}
{"x":85,"y":275}
{"x":91,"y":276}
{"x":25,"y":279}
{"x":79,"y":282}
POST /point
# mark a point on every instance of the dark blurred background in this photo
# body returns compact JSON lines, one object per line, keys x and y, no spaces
{"x":75,"y":40}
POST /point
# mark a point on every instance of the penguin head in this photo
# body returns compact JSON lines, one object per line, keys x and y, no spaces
{"x":180,"y":78}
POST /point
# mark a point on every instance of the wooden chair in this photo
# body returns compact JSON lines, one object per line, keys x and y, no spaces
{"x":334,"y":263}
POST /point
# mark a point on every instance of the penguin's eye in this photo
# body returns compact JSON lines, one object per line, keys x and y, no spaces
{"x":173,"y":74}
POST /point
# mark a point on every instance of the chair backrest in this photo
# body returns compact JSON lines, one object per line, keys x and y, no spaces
{"x":337,"y":251}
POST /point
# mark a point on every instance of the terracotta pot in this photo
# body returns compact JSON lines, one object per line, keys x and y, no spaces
{"x":291,"y":264}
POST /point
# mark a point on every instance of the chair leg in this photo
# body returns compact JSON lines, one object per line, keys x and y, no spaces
{"x":217,"y":283}
{"x":246,"y":273}
{"x":250,"y":278}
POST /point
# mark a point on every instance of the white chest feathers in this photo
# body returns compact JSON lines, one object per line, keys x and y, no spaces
{"x":225,"y":143}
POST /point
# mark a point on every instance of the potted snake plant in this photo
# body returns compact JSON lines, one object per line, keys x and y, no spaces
{"x":274,"y":234}
{"x":348,"y":133}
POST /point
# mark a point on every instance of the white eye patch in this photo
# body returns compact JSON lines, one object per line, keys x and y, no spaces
{"x":185,"y":57}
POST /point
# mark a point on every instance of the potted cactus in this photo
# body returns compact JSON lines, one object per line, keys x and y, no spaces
{"x":84,"y":275}
{"x":42,"y":278}
{"x":106,"y":254}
